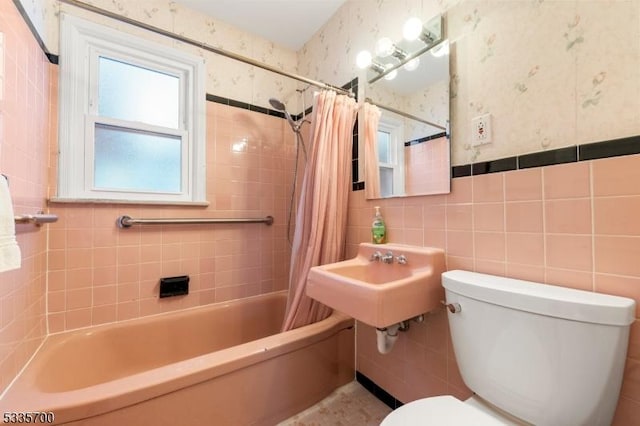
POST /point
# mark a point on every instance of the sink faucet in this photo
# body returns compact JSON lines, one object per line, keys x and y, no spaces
{"x":388,"y":258}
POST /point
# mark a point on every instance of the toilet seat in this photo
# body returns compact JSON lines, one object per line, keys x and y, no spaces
{"x":439,"y":411}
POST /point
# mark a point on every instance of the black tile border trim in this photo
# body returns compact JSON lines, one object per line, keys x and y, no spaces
{"x":461,"y":171}
{"x":356,"y":185}
{"x":50,"y":56}
{"x":501,"y":165}
{"x":244,"y":105}
{"x":548,"y":158}
{"x":53,"y":59}
{"x":590,"y":151}
{"x":619,"y":147}
{"x":425,"y":139}
{"x":377,"y":391}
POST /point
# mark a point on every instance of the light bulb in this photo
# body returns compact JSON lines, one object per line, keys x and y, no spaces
{"x":363,"y":60}
{"x":412,"y":64}
{"x":392,"y":74}
{"x":385,"y":47}
{"x":412,"y":29}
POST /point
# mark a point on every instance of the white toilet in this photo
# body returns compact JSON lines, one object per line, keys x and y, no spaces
{"x":532,"y":353}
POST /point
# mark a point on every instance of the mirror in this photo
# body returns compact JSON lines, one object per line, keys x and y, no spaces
{"x":412,"y":142}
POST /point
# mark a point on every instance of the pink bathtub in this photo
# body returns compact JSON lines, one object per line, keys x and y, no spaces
{"x":222,"y":364}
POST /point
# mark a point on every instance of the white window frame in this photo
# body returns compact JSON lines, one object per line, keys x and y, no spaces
{"x":82,"y":43}
{"x":396,"y":151}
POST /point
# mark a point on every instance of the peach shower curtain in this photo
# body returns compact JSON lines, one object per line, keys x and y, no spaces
{"x":371,"y":115}
{"x":321,"y":220}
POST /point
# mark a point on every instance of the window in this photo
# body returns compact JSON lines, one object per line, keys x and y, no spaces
{"x":131,"y":118}
{"x":390,"y":157}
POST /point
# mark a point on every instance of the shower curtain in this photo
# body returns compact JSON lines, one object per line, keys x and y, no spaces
{"x":371,"y":117}
{"x":321,"y":220}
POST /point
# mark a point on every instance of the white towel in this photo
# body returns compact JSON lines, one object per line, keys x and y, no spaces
{"x":10,"y":257}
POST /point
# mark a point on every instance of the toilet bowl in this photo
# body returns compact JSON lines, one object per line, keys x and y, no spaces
{"x":447,"y":410}
{"x":532,"y":354}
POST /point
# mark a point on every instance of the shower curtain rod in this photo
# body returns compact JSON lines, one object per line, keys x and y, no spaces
{"x":203,"y":45}
{"x":404,"y":114}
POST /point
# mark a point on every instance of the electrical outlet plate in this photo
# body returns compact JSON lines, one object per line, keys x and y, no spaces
{"x":481,"y":130}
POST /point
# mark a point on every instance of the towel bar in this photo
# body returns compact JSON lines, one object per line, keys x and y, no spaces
{"x":37,"y":219}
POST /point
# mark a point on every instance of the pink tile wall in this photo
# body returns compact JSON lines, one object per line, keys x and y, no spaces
{"x":573,"y":225}
{"x":427,"y":167}
{"x":24,"y":130}
{"x":99,"y":273}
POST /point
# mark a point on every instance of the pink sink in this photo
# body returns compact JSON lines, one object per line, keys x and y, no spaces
{"x":378,"y":293}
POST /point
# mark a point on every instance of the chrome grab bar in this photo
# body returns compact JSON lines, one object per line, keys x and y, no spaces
{"x":127,"y":222}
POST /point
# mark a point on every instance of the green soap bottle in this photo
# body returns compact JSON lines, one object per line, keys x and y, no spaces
{"x":378,"y":229}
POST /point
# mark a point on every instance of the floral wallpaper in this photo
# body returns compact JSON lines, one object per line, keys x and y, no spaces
{"x":552,"y":73}
{"x":432,"y":105}
{"x":226,"y":77}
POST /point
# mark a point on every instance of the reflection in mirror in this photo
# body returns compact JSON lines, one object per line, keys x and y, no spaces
{"x":390,"y":56}
{"x":409,"y":143}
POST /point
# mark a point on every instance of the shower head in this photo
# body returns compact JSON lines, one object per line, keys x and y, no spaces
{"x":279,"y":106}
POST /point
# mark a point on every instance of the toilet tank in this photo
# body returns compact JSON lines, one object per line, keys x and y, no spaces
{"x":545,"y":354}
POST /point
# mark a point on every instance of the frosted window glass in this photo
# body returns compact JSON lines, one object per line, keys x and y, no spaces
{"x":133,"y":160}
{"x":129,"y":92}
{"x":386,"y":181}
{"x":384,"y":147}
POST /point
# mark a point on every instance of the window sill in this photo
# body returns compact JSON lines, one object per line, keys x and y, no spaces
{"x":56,"y":200}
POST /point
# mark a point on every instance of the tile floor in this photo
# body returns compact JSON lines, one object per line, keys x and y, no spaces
{"x":350,"y":405}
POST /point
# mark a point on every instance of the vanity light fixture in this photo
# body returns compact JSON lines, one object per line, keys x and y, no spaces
{"x":365,"y":60}
{"x":414,"y":30}
{"x":385,"y":48}
{"x":379,"y":68}
{"x":430,"y":34}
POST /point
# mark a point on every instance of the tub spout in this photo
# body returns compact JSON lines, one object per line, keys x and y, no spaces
{"x":387,"y":338}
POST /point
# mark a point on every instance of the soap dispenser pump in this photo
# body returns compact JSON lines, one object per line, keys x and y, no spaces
{"x":378,"y":228}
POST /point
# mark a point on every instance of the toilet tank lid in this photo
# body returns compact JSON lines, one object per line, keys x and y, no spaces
{"x":543,"y":299}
